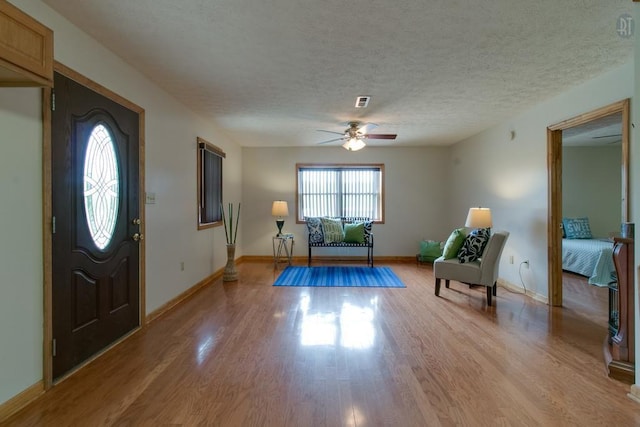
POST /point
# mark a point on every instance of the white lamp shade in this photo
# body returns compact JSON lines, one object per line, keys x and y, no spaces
{"x":479,"y":218}
{"x":354,"y":144}
{"x":280,"y":208}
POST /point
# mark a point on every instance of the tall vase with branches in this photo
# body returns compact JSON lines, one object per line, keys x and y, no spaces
{"x":230,"y":233}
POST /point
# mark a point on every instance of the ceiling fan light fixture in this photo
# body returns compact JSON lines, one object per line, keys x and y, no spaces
{"x":355,"y":135}
{"x":354,"y":144}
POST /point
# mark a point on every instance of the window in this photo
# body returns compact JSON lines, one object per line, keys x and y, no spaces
{"x":209,"y":184}
{"x":340,"y":190}
{"x":101,"y":186}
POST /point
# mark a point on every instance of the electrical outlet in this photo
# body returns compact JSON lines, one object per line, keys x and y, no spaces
{"x":510,"y":259}
{"x":526,"y":263}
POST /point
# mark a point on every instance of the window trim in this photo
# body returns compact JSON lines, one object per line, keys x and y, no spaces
{"x":343,"y":166}
{"x":203,"y":145}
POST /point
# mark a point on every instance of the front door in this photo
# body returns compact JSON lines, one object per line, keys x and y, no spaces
{"x":96,"y":223}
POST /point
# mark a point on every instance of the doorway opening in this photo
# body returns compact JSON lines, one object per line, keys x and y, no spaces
{"x":554,"y":170}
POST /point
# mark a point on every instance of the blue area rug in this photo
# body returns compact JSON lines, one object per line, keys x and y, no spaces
{"x":376,"y":277}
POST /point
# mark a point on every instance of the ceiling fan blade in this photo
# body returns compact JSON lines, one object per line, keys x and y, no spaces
{"x":331,"y":140}
{"x":606,"y":136}
{"x":382,"y":136}
{"x":365,"y":128}
{"x":330,"y":131}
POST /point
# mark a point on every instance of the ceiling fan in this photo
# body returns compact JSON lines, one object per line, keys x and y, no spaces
{"x":355,"y":135}
{"x":616,"y":137}
{"x":606,"y":136}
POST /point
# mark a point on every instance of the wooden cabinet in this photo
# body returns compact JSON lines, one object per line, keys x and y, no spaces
{"x":26,"y":49}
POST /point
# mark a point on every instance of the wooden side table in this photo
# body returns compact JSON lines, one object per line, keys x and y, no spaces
{"x":283,"y":249}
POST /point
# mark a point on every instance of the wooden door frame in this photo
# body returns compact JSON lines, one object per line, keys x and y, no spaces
{"x":554,"y":174}
{"x":47,"y":211}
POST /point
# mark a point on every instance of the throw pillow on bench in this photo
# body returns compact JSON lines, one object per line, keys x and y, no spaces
{"x":325,"y":230}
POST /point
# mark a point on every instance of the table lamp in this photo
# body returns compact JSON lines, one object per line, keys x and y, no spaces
{"x":479,"y":218}
{"x":280,"y":210}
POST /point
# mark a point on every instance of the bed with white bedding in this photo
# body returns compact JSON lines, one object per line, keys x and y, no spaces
{"x":592,"y":258}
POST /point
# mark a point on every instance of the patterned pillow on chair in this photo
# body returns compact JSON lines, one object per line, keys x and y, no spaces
{"x":314,"y":226}
{"x":473,"y":245}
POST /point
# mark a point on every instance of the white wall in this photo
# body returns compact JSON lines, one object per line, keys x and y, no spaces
{"x":416,"y":195}
{"x":592,"y":188}
{"x":510,"y":176}
{"x":21,"y":291}
{"x":171,"y":233}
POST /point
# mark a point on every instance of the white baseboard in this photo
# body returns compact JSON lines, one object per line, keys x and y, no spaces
{"x":634,"y":393}
{"x":519,"y":289}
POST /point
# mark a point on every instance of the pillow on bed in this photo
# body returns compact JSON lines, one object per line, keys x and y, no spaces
{"x":577,"y":228}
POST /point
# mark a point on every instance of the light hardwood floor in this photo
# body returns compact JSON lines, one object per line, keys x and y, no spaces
{"x":250,"y":354}
{"x":592,"y":302}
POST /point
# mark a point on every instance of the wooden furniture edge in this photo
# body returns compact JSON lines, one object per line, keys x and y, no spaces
{"x":31,"y":79}
{"x":23,"y":70}
{"x":622,"y":371}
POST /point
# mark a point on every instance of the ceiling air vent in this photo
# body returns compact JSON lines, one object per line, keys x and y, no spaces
{"x":362,"y":101}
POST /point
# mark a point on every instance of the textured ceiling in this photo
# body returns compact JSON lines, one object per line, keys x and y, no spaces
{"x":272,"y":72}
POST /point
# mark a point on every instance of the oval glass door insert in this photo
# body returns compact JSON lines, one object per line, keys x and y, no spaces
{"x":101,"y":186}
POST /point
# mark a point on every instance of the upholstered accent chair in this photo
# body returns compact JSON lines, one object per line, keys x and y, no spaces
{"x":483,"y":271}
